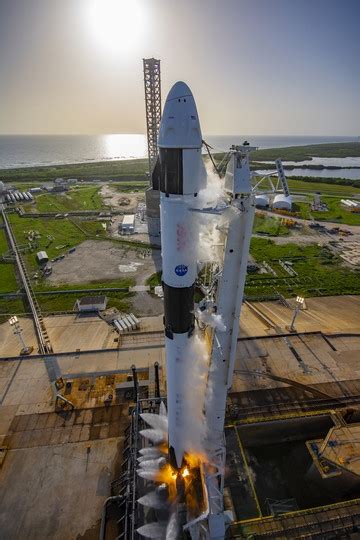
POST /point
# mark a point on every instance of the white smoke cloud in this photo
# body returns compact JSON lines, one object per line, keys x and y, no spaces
{"x":211,"y":319}
{"x":209,"y":245}
{"x":195,"y":425}
{"x":214,"y":193}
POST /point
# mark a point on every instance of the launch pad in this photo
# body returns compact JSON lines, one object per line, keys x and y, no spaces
{"x":275,"y":422}
{"x":272,"y":483}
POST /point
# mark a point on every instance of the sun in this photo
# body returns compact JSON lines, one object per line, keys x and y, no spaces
{"x":117,"y":25}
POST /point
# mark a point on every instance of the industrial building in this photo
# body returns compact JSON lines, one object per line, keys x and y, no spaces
{"x":282,"y":202}
{"x":262,"y":201}
{"x":128,"y":224}
{"x":42,"y":257}
{"x":91,"y":303}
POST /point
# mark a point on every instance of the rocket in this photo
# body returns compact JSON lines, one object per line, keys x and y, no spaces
{"x":181,"y":178}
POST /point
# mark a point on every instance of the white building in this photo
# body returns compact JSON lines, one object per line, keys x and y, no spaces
{"x":2,"y":187}
{"x":282,"y":202}
{"x":261,"y":201}
{"x":91,"y":303}
{"x":128,"y":224}
{"x":42,"y":257}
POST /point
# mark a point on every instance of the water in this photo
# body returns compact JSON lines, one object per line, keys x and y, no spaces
{"x":33,"y":151}
{"x":351,"y":174}
{"x":40,"y":150}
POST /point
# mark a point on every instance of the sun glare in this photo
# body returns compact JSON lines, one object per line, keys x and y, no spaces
{"x":117,"y":25}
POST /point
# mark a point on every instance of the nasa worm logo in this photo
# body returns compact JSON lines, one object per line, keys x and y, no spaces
{"x":181,"y":270}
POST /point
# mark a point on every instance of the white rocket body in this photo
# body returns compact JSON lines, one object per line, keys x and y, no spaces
{"x":181,"y":178}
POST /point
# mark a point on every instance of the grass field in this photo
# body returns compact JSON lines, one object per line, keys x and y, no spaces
{"x":8,"y":281}
{"x":127,"y":170}
{"x":336,"y":212}
{"x":3,"y":241}
{"x":121,"y":283}
{"x":154,"y":279}
{"x":269,"y":226}
{"x":56,"y":236}
{"x":319,"y":271}
{"x":65,"y":302}
{"x":61,"y":302}
{"x":132,"y":187}
{"x":324,"y":188}
{"x":11,"y":307}
{"x":79,"y":198}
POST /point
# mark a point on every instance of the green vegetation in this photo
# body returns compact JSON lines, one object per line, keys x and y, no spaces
{"x":270,"y":226}
{"x":65,"y":302}
{"x":56,"y":236}
{"x":3,"y":241}
{"x":7,"y":270}
{"x":8,"y":281}
{"x":336,"y":182}
{"x":319,"y":270}
{"x":79,"y":198}
{"x":11,"y":307}
{"x":124,"y":170}
{"x":121,"y":283}
{"x":330,"y":187}
{"x":25,"y":186}
{"x":300,"y":153}
{"x":132,"y":187}
{"x":154,"y":279}
{"x":336,"y":213}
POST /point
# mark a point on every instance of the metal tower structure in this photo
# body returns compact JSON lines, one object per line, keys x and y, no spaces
{"x":152,"y":83}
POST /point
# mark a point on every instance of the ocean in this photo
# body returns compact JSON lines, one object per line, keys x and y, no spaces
{"x":41,"y":150}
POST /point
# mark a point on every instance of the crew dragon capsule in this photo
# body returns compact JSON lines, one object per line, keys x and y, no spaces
{"x":182,"y":175}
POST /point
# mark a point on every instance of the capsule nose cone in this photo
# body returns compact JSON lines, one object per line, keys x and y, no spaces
{"x":179,"y":90}
{"x":180,"y":127}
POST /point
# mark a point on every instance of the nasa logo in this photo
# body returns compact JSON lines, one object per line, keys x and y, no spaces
{"x":181,"y":270}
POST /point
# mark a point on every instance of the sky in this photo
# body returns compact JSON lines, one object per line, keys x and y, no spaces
{"x":262,"y":67}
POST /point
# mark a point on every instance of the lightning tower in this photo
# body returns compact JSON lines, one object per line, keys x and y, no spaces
{"x":152,"y":85}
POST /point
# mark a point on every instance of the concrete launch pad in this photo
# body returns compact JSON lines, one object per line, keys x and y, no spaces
{"x":71,"y":332}
{"x":288,"y":390}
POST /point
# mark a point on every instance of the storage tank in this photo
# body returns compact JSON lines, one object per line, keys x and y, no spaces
{"x":261,"y":201}
{"x":282,"y":202}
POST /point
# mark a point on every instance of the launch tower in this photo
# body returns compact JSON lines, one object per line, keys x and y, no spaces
{"x":152,"y":85}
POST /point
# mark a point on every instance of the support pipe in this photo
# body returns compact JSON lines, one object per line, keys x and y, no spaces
{"x":135,"y":379}
{"x":103,"y":515}
{"x":157,"y":380}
